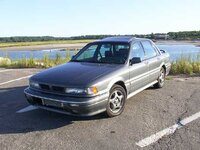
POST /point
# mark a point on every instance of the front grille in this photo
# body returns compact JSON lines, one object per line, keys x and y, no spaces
{"x":49,"y":88}
{"x":44,"y":87}
{"x":58,"y":89}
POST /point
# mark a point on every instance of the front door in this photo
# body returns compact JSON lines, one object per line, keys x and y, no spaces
{"x":139,"y":71}
{"x":152,"y":56}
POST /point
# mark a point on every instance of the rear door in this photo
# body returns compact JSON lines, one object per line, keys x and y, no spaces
{"x":139,"y":71}
{"x":153,"y":57}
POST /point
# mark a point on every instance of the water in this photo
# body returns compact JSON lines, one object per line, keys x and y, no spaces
{"x":175,"y":51}
{"x":37,"y":54}
{"x":178,"y":51}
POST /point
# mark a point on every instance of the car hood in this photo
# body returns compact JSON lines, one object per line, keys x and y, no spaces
{"x":74,"y":74}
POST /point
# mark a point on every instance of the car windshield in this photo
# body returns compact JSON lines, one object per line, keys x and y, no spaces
{"x":111,"y":53}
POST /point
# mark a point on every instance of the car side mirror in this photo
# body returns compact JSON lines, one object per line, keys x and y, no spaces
{"x":73,"y":57}
{"x":162,"y":51}
{"x":135,"y":60}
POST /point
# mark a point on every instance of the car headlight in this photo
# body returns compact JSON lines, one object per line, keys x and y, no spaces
{"x":34,"y":84}
{"x":75,"y":91}
{"x":90,"y":91}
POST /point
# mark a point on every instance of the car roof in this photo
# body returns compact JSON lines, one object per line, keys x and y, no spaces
{"x":124,"y":39}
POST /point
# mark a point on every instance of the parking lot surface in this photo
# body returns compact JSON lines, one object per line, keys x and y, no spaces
{"x":145,"y":118}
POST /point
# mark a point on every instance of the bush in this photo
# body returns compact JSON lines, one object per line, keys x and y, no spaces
{"x":4,"y":62}
{"x":185,"y":66}
{"x":173,"y":68}
{"x":188,"y":69}
{"x":57,"y":59}
{"x":46,"y":62}
{"x":196,"y":67}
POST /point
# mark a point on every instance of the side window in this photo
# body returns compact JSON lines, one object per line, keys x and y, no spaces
{"x":89,"y":53}
{"x":137,"y":51}
{"x":149,"y":49}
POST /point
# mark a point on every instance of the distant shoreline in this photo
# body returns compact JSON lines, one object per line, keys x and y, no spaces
{"x":174,"y":42}
{"x":44,"y":47}
{"x":80,"y":45}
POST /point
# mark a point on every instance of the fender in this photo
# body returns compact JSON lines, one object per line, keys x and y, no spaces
{"x":162,"y":64}
{"x":115,"y":80}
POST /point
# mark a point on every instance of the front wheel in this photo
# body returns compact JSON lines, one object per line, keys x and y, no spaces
{"x":116,"y":101}
{"x":161,"y":79}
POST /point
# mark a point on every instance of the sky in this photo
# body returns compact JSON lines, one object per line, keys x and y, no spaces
{"x":90,"y":17}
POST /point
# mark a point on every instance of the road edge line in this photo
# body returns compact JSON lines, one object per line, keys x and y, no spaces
{"x":155,"y":137}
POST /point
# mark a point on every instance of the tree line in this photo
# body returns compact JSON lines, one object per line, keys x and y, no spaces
{"x":184,"y":35}
{"x":30,"y":39}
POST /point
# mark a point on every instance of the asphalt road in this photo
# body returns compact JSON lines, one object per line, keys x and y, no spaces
{"x":145,"y":114}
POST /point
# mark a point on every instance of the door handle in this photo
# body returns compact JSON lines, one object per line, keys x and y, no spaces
{"x":146,"y":62}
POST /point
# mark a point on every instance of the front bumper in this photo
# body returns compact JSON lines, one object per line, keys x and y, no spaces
{"x":87,"y":106}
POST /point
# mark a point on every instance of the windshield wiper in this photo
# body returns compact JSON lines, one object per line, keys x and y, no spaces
{"x":91,"y":61}
{"x":75,"y":61}
{"x":100,"y":62}
{"x":84,"y":61}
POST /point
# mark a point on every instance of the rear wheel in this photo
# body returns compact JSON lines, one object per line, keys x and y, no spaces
{"x":161,"y":79}
{"x":116,"y":101}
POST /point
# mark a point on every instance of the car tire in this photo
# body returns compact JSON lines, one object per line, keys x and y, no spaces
{"x":116,"y":101}
{"x":161,"y":79}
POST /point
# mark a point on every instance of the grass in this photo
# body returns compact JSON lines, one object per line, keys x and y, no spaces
{"x":185,"y":65}
{"x":13,"y":44}
{"x":169,"y":78}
